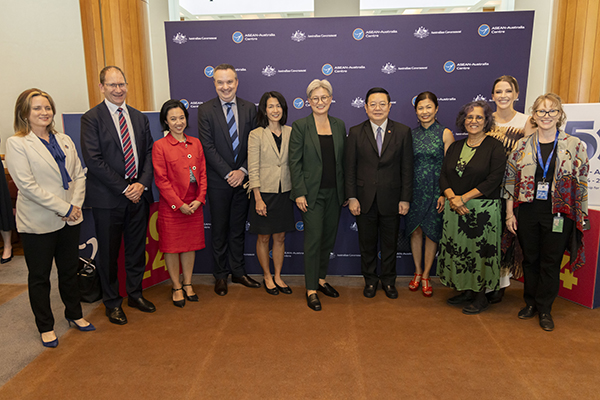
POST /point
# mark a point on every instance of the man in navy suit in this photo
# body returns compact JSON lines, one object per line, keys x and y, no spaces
{"x":223,"y":127}
{"x":379,"y":179}
{"x":117,"y":149}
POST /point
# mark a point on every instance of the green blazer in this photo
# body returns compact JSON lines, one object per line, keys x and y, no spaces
{"x":305,"y":158}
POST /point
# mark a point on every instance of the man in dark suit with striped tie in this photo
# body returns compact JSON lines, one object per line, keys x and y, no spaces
{"x":223,"y":127}
{"x":116,"y":145}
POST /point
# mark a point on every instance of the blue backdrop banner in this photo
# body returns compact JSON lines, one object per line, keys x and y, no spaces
{"x":456,"y":56}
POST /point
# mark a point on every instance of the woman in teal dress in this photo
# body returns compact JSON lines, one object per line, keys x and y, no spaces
{"x":430,"y":141}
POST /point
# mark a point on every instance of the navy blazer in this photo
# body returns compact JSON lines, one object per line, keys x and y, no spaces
{"x":104,"y":159}
{"x":216,"y":142}
{"x":388,"y":178}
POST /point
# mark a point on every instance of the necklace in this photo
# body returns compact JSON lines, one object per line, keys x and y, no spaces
{"x":477,"y":143}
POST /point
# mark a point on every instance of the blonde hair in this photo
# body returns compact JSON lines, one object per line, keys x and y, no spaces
{"x":556,"y":102}
{"x":316,"y":84}
{"x":23,"y":109}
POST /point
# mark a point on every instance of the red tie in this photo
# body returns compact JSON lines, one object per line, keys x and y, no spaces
{"x":130,"y":170}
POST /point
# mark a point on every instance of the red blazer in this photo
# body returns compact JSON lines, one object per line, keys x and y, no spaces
{"x":172,"y":161}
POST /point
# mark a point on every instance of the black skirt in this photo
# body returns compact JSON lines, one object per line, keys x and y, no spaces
{"x":7,"y":218}
{"x":280,"y":214}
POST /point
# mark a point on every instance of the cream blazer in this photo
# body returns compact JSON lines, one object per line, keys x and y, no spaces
{"x":42,"y":200}
{"x":267,"y":166}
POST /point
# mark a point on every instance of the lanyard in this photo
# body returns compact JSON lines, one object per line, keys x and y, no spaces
{"x":539,"y":155}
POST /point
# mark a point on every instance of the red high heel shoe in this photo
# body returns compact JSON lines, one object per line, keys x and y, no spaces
{"x":426,"y":287}
{"x":414,"y":284}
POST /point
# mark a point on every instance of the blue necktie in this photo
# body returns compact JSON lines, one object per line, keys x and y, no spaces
{"x":235,"y":142}
{"x":379,"y":140}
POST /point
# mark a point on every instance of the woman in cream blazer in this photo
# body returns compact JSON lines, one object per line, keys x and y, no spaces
{"x":271,"y":210}
{"x":46,"y":169}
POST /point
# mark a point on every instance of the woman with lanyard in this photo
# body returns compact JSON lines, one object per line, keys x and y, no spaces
{"x":546,"y":191}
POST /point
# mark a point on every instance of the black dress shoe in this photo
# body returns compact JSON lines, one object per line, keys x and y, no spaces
{"x":116,"y":315}
{"x":480,"y":304}
{"x":390,"y":291}
{"x":328,"y":290}
{"x":527,"y":312}
{"x":246,"y":281}
{"x":283,"y":289}
{"x":546,"y":322}
{"x":463,"y":297}
{"x":221,"y":287}
{"x":178,"y":303}
{"x":193,"y":297}
{"x":141,"y":304}
{"x":495,"y":296}
{"x":370,"y":291}
{"x":273,"y":291}
{"x":5,"y":260}
{"x":313,"y":301}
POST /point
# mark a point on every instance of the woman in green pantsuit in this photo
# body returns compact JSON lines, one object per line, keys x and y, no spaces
{"x":317,"y":172}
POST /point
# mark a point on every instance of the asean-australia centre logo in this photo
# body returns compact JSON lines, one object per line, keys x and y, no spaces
{"x":421,"y":33}
{"x":388,"y":68}
{"x":237,"y":37}
{"x":298,"y":36}
{"x":269,"y":71}
{"x":180,"y":38}
{"x":358,"y":103}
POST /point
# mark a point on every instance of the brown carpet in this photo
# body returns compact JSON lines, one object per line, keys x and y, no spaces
{"x":10,"y":291}
{"x":250,"y":345}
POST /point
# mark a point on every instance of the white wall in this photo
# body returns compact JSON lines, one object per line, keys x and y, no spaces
{"x":158,"y":14}
{"x":41,"y":46}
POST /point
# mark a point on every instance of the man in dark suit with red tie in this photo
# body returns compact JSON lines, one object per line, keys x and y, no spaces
{"x":224,"y":124}
{"x":116,"y":145}
{"x":379,"y":179}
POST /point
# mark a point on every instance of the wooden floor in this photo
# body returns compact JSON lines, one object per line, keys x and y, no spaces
{"x":250,"y":345}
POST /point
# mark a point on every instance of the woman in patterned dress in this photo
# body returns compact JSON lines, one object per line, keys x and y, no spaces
{"x":469,"y":259}
{"x":430,"y":142}
{"x":510,"y":126}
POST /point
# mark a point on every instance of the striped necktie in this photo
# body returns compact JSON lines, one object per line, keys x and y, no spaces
{"x":231,"y":126}
{"x":130,"y":169}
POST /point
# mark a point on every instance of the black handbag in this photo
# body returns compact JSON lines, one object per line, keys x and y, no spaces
{"x":88,"y":280}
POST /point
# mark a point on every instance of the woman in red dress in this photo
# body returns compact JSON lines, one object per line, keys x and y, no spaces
{"x":180,"y":175}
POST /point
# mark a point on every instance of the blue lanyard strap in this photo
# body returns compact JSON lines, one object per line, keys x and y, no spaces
{"x":539,"y":155}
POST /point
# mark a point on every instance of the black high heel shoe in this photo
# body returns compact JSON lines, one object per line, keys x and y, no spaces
{"x":178,"y":303}
{"x":193,"y":297}
{"x":5,"y":260}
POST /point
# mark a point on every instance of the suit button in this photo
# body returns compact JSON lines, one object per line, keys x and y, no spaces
{"x":189,"y":156}
{"x":194,"y":168}
{"x":173,"y":206}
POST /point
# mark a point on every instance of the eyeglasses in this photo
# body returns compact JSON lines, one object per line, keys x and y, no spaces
{"x":116,"y":85}
{"x":322,"y":98}
{"x":543,"y":113}
{"x":382,"y":104}
{"x":477,"y":118}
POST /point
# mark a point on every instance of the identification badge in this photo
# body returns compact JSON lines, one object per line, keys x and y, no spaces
{"x":557,"y":224}
{"x":542,"y":191}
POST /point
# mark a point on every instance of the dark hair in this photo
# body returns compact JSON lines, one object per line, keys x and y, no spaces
{"x":509,"y":79}
{"x":467,"y":108}
{"x":169,"y":105}
{"x":224,"y":67}
{"x":108,"y":68}
{"x":425,"y":96}
{"x":261,"y":115}
{"x":377,"y":90}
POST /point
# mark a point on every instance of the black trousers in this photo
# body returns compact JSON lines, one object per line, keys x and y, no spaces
{"x":62,"y":246}
{"x":374,"y":227}
{"x":542,"y":255}
{"x":228,"y":213}
{"x":127,"y":222}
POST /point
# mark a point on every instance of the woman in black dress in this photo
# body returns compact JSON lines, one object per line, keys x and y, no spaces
{"x":7,"y":219}
{"x":271,"y":210}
